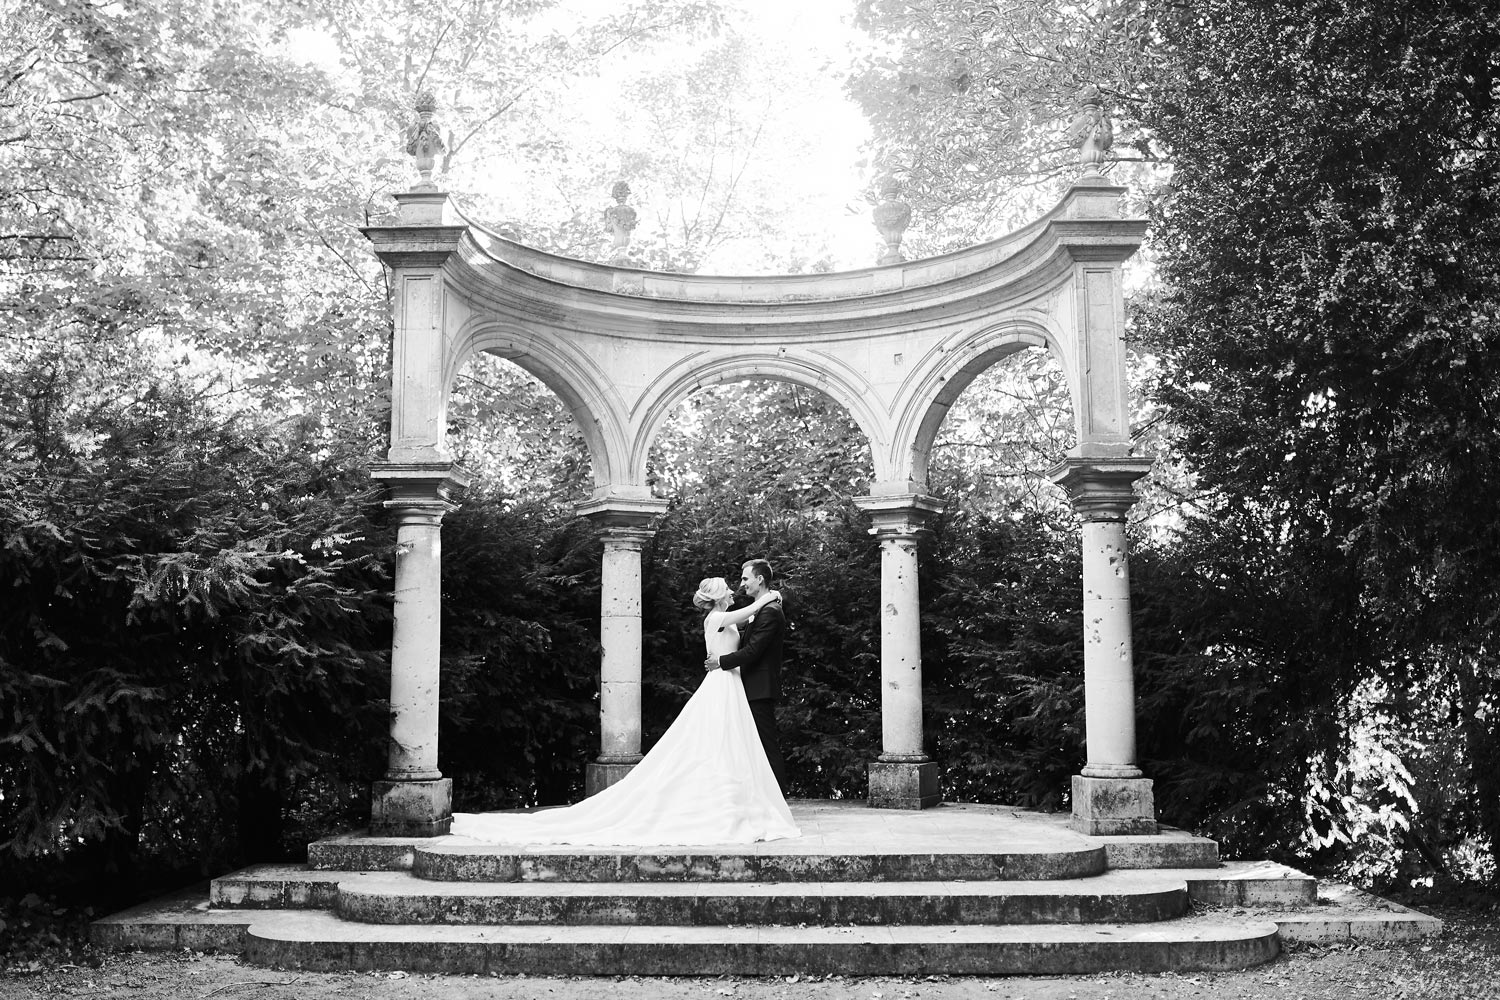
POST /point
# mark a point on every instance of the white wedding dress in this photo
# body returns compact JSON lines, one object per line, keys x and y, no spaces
{"x":705,"y":782}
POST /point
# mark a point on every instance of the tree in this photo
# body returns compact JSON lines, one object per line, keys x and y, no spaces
{"x":1321,"y":349}
{"x":1005,"y":430}
{"x":780,"y":444}
{"x":971,"y":104}
{"x":719,"y":134}
{"x":520,"y":651}
{"x":200,"y":182}
{"x":1329,"y":340}
{"x":195,"y":618}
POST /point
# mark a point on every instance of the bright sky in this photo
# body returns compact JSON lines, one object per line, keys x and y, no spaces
{"x":812,"y":42}
{"x":834,"y":183}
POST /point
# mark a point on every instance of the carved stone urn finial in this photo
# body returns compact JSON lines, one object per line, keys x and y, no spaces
{"x":621,"y":217}
{"x":891,"y":217}
{"x":1092,"y":132}
{"x":424,"y":140}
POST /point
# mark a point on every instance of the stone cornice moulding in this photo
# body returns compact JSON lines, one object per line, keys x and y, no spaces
{"x":1087,"y":214}
{"x":1100,"y":487}
{"x":621,"y":512}
{"x":416,"y":483}
{"x":507,"y":277}
{"x":899,"y":515}
{"x":415,"y":246}
{"x":496,"y":287}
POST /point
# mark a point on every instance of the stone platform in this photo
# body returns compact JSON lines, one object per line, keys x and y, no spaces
{"x":955,"y":889}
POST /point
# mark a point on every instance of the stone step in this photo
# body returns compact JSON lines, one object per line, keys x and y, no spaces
{"x":1233,"y":883}
{"x":359,"y":852}
{"x":1247,"y":883}
{"x":466,"y":863}
{"x":279,"y":887}
{"x":1343,"y":914}
{"x":1116,"y":897}
{"x":1168,"y":848}
{"x":952,"y":840}
{"x":320,"y":941}
{"x":185,"y":920}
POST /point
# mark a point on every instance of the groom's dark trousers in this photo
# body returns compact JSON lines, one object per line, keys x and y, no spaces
{"x":763,"y":711}
{"x":759,"y":660}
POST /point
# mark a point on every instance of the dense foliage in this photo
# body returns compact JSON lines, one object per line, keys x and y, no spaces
{"x":194,"y":621}
{"x":1315,"y":623}
{"x":972,"y":104}
{"x":1330,"y":339}
{"x":194,"y":637}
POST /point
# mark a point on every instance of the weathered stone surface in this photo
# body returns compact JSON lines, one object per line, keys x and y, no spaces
{"x":362,"y":852}
{"x":276,"y":887}
{"x":1344,"y":914}
{"x":411,"y":808}
{"x":480,"y":865}
{"x":1167,"y":848}
{"x":904,"y":785}
{"x":597,"y":777}
{"x":1007,"y":891}
{"x":1113,"y":806}
{"x":321,"y":942}
{"x":1114,"y":897}
{"x":178,"y":920}
{"x":1249,"y":883}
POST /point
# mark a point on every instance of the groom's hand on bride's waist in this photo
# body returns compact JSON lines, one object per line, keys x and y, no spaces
{"x":712,"y":663}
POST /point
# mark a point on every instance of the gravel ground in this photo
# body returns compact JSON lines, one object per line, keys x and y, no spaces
{"x":1462,"y":964}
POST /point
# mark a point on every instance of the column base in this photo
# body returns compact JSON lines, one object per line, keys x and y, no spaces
{"x":411,"y":808}
{"x":904,"y":785}
{"x":1105,"y":807}
{"x":598,"y":776}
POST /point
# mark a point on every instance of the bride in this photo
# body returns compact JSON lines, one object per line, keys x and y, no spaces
{"x":706,"y":781}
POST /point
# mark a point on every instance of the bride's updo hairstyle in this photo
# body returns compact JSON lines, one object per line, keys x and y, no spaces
{"x":711,"y":590}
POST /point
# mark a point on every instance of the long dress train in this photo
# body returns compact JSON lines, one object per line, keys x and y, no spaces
{"x":705,"y":782}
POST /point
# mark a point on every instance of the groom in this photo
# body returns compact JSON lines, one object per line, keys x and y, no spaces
{"x":759,"y":660}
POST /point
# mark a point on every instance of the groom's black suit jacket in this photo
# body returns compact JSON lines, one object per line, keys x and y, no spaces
{"x":759,"y":655}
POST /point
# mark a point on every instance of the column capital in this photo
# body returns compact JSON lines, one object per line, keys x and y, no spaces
{"x":421,"y":484}
{"x":631,"y":539}
{"x":420,"y":239}
{"x":420,"y":513}
{"x":899,"y":515}
{"x":1101,"y":489}
{"x":623,"y":512}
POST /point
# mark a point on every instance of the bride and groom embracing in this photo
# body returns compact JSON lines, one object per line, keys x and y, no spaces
{"x":717,"y":775}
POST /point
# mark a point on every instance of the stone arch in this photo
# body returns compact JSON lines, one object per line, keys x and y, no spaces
{"x":584,"y":390}
{"x":958,"y":363}
{"x":826,"y":375}
{"x":894,"y":344}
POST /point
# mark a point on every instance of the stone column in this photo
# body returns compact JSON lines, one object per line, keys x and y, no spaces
{"x":414,"y":799}
{"x":1110,"y":796}
{"x":903,"y":777}
{"x":624,"y":526}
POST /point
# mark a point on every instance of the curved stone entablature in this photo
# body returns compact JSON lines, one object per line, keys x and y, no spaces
{"x":622,"y":347}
